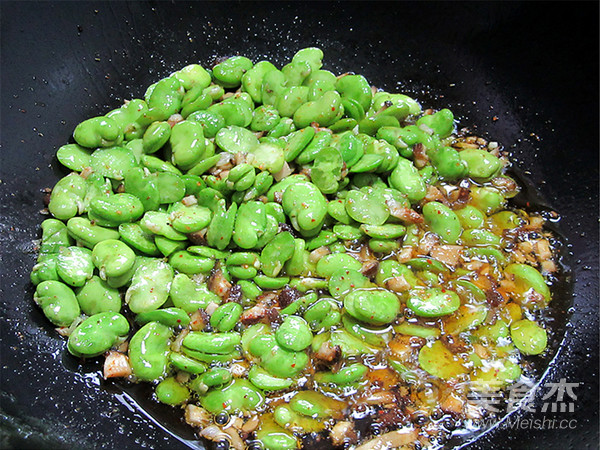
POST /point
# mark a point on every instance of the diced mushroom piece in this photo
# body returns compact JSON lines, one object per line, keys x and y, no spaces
{"x":174,"y":119}
{"x":448,"y":254}
{"x":420,"y":156}
{"x":405,"y":214}
{"x":215,"y":434}
{"x":235,"y":440}
{"x":218,"y":284}
{"x":251,"y":424}
{"x":398,"y":284}
{"x":254,"y":314}
{"x":405,"y":254}
{"x":211,"y":308}
{"x":452,"y":403}
{"x":189,"y":200}
{"x":427,"y":242}
{"x":285,"y":172}
{"x":393,"y":439}
{"x":116,"y":365}
{"x":197,"y":416}
{"x":328,"y":353}
{"x":318,"y":253}
{"x":343,"y":433}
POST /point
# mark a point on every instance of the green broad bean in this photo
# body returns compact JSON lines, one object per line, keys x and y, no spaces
{"x":155,"y":136}
{"x":96,"y":296}
{"x":252,"y":79}
{"x":486,"y":199}
{"x":211,"y":122}
{"x":229,"y":73}
{"x":367,"y":205}
{"x":187,"y":144}
{"x":372,"y":306}
{"x":67,"y":196}
{"x":387,"y":231}
{"x":249,"y":289}
{"x":465,"y":318}
{"x":347,"y":232}
{"x":143,"y":186}
{"x":112,"y":258}
{"x":83,"y":231}
{"x":271,"y":283}
{"x":165,"y":98}
{"x":189,"y":295}
{"x":74,"y":157}
{"x":133,"y":235}
{"x":528,"y":279}
{"x":235,"y":110}
{"x":98,"y":334}
{"x":194,"y":100}
{"x":323,"y":314}
{"x":171,"y":317}
{"x":185,"y":364}
{"x":74,"y":265}
{"x":276,"y":253}
{"x":297,"y":142}
{"x":448,"y":163}
{"x":405,"y":178}
{"x":158,"y":222}
{"x":193,"y":75}
{"x":325,"y":237}
{"x":495,"y":375}
{"x":171,"y":392}
{"x":320,"y":140}
{"x":324,"y":111}
{"x":346,"y":375}
{"x":442,"y":221}
{"x":329,"y":264}
{"x":250,"y":222}
{"x":470,"y":217}
{"x":98,"y":132}
{"x":58,"y":302}
{"x":438,"y":361}
{"x":383,"y":245}
{"x":305,"y":206}
{"x":113,"y":162}
{"x":327,"y":170}
{"x":263,"y":380}
{"x":276,"y":360}
{"x":149,"y":351}
{"x":234,"y":139}
{"x":274,"y":437}
{"x":212,"y":377}
{"x":283,"y":128}
{"x":291,"y":99}
{"x":482,"y":165}
{"x":117,"y":208}
{"x":528,"y":337}
{"x":44,"y":269}
{"x":54,"y":236}
{"x":432,"y":302}
{"x":240,"y":395}
{"x":218,"y":343}
{"x":294,"y":334}
{"x":479,"y":237}
{"x":441,"y":123}
{"x":188,"y":263}
{"x":226,"y":316}
{"x":412,"y":329}
{"x":168,"y":246}
{"x":297,"y":264}
{"x":150,"y":286}
{"x":345,"y":280}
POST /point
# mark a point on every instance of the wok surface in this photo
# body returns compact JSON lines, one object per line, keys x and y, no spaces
{"x":533,"y":66}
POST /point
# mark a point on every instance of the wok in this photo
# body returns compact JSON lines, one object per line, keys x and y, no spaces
{"x":525,"y":74}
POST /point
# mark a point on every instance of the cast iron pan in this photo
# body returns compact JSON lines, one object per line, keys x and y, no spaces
{"x":525,"y":74}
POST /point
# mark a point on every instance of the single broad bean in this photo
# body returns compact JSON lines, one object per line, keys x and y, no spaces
{"x":98,"y":334}
{"x":149,"y":351}
{"x":58,"y":302}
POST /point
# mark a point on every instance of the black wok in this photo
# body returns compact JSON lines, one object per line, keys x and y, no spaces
{"x":525,"y":74}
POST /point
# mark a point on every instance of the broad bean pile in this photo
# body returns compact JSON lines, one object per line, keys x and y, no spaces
{"x":287,"y":254}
